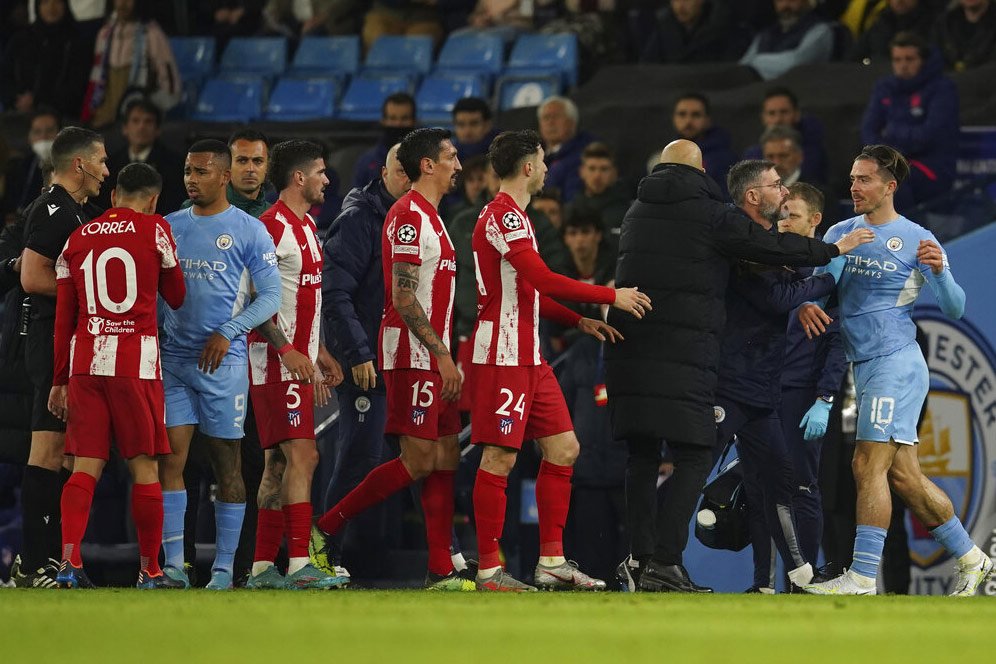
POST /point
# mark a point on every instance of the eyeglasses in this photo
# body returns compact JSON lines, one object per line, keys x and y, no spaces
{"x":777,"y":185}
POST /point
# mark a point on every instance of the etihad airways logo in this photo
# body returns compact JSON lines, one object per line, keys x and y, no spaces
{"x":869,"y":267}
{"x":195,"y":268}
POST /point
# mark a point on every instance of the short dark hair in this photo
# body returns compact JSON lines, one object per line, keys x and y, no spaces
{"x":550,"y":193}
{"x":892,"y":165}
{"x":694,"y":96}
{"x":424,"y":143}
{"x":215,"y":147}
{"x":598,"y":150}
{"x":808,"y":194}
{"x":510,"y":148}
{"x":780,"y":133}
{"x":582,"y":217}
{"x":43,"y":110}
{"x":143,"y":104}
{"x":138,"y":178}
{"x":400,"y":99}
{"x":476,"y":164}
{"x":248,"y":134}
{"x":472,"y":105}
{"x":72,"y":142}
{"x":744,"y":175}
{"x":909,"y":38}
{"x":782,"y":91}
{"x":291,"y":156}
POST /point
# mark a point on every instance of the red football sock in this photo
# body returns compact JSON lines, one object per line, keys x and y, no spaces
{"x":147,"y":511}
{"x":437,"y":506}
{"x":297,"y":520}
{"x":383,"y":481}
{"x":77,"y":496}
{"x":553,"y":500}
{"x":489,"y":514}
{"x":269,"y":532}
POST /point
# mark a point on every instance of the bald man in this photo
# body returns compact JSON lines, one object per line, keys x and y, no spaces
{"x":676,"y":244}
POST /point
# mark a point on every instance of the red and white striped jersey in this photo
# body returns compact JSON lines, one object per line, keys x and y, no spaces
{"x":507,"y":330}
{"x":414,"y":233}
{"x":114,"y":266}
{"x":299,"y":260}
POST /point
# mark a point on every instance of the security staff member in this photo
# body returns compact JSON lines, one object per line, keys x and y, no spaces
{"x":79,"y":168}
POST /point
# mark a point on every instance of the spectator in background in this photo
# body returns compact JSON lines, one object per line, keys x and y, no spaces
{"x":604,"y":197}
{"x":132,"y":57}
{"x":469,"y":186}
{"x":782,"y":146}
{"x":45,"y":64}
{"x":301,"y":18}
{"x":24,"y":175}
{"x":229,"y":18}
{"x":397,"y":118}
{"x":403,"y":17}
{"x":563,"y":144}
{"x":142,"y":122}
{"x":694,"y":31}
{"x":900,"y":16}
{"x":692,"y":119}
{"x":473,"y":129}
{"x":781,"y":108}
{"x":798,"y":37}
{"x":966,"y":34}
{"x":584,"y":237}
{"x":548,"y":202}
{"x":915,"y":110}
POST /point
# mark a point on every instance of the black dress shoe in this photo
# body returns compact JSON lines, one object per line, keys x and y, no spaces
{"x":659,"y":578}
{"x":827,"y":572}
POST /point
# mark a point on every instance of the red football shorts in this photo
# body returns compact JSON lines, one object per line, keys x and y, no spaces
{"x":414,"y":407}
{"x":513,"y":404}
{"x":284,"y":411}
{"x":129,"y":411}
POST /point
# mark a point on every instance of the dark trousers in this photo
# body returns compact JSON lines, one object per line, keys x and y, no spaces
{"x":663,"y":533}
{"x":768,"y":482}
{"x":594,"y":536}
{"x":805,"y":456}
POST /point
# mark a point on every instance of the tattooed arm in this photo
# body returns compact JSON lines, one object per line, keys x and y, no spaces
{"x":403,"y":289}
{"x":296,"y":362}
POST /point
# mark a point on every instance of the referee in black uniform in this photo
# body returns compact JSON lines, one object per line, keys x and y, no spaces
{"x":79,"y":168}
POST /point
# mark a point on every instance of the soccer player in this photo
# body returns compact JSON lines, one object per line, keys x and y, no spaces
{"x":420,"y":377}
{"x":222,"y":249}
{"x":283,"y":381}
{"x":107,"y":381}
{"x":879,"y":284}
{"x":516,"y":395}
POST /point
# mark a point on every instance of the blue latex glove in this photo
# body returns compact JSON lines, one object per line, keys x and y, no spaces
{"x":836,"y":267}
{"x":815,"y":420}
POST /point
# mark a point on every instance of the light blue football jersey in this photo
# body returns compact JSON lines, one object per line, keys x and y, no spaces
{"x":880,"y":282}
{"x":219,"y":254}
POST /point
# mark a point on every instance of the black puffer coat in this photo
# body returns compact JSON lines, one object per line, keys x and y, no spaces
{"x":676,"y":244}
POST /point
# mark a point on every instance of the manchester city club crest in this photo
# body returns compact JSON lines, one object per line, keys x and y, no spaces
{"x":407,"y":234}
{"x":224,"y":242}
{"x":418,"y":416}
{"x":362,"y":404}
{"x":894,"y":243}
{"x":718,"y":413}
{"x":511,"y":221}
{"x":956,"y":435}
{"x":505,"y":425}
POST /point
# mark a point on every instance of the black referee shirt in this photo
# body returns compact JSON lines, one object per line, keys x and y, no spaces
{"x":52,"y":218}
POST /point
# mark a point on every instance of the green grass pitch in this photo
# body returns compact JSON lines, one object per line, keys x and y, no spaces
{"x":414,"y":626}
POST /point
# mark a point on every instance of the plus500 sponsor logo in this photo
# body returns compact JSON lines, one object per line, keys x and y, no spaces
{"x":446,"y":265}
{"x":311,"y":279}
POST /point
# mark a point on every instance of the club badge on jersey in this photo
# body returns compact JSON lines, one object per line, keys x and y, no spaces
{"x":418,"y":416}
{"x":294,"y":418}
{"x":505,"y":425}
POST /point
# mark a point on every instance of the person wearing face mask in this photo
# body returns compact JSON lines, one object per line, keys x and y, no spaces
{"x":24,"y":176}
{"x":46,"y":63}
{"x":397,"y":118}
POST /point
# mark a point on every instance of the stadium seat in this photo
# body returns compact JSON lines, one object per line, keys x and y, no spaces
{"x":296,"y":98}
{"x":194,"y":57}
{"x":392,"y":53}
{"x":549,"y":53}
{"x":264,"y":56}
{"x":365,"y":95}
{"x":473,"y":52}
{"x":230,"y":100}
{"x":516,"y":91}
{"x":440,"y":91}
{"x":337,"y":56}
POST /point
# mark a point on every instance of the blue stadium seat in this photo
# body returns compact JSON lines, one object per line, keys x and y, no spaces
{"x":518,"y":90}
{"x":440,"y":91}
{"x":230,"y":100}
{"x":337,"y":56}
{"x":296,"y":98}
{"x":365,"y":95}
{"x":194,"y":57}
{"x":265,"y":56}
{"x":550,"y":53}
{"x":474,"y":52}
{"x":392,"y":53}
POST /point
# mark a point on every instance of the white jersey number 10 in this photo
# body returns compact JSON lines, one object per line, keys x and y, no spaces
{"x":95,"y":281}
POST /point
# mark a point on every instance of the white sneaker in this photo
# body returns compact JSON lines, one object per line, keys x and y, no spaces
{"x":847,"y":583}
{"x":801,"y":576}
{"x":972,"y":576}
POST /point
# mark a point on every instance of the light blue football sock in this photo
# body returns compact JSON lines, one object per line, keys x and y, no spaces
{"x":868,"y":544}
{"x":228,"y":526}
{"x":174,"y":510}
{"x":953,"y":537}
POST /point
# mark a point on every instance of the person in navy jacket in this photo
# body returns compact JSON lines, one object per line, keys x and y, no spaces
{"x":915,"y":110}
{"x":558,"y":127}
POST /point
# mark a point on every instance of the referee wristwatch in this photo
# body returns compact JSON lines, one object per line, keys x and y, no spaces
{"x":828,"y":398}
